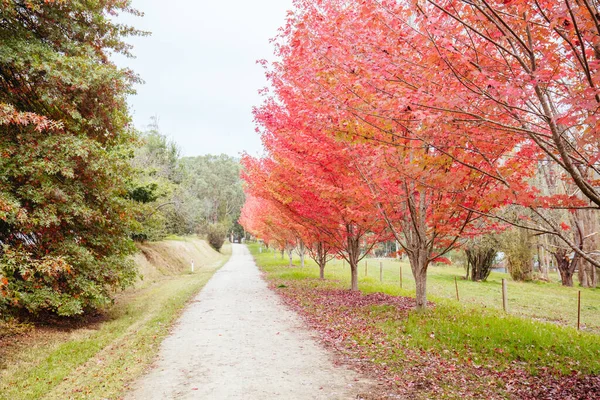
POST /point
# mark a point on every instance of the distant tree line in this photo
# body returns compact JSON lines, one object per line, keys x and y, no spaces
{"x":183,"y":195}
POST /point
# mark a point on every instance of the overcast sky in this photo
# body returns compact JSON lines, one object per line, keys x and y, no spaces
{"x":200,"y":71}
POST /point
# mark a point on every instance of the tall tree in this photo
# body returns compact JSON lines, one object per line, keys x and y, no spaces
{"x":64,"y":212}
{"x":481,"y":76}
{"x":428,"y":209}
{"x":162,"y":200}
{"x":408,"y":168}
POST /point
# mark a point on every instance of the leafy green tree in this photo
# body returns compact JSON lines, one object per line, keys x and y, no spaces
{"x":215,"y":181}
{"x":156,"y":186}
{"x":158,"y":157}
{"x":65,"y":213}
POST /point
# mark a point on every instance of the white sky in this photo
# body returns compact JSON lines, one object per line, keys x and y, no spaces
{"x":200,"y":71}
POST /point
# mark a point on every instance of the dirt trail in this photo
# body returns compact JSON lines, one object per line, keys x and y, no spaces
{"x":238,"y":341}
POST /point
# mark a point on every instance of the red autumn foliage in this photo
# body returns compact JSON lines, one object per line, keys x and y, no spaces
{"x":322,"y":193}
{"x":442,"y":260}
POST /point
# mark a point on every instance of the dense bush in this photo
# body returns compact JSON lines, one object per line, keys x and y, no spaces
{"x":481,"y":254}
{"x":216,"y":235}
{"x":518,"y":249}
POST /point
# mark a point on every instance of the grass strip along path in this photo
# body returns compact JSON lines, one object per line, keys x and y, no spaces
{"x":453,"y":350}
{"x":97,"y":359}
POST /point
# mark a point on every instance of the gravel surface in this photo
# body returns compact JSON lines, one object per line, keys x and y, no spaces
{"x":236,"y":340}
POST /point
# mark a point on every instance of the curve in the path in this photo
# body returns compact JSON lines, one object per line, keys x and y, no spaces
{"x":236,"y":340}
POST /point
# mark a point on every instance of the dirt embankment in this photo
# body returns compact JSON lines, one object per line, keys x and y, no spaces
{"x":173,"y":257}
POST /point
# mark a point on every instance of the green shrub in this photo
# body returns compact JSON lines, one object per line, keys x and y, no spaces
{"x":516,"y":244}
{"x":216,"y":235}
{"x":65,"y":285}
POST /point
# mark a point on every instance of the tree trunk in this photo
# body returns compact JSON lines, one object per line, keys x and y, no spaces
{"x":354,"y":277}
{"x":421,"y":286}
{"x":290,"y":252}
{"x":322,"y":254}
{"x":587,"y":275}
{"x":589,"y":223}
{"x":418,"y":263}
{"x":417,"y":244}
{"x":353,"y":251}
{"x":480,"y":259}
{"x":319,"y":253}
{"x":546,"y":262}
{"x":566,"y":266}
{"x":590,"y":242}
{"x":301,"y":252}
{"x":566,"y":277}
{"x":582,"y":275}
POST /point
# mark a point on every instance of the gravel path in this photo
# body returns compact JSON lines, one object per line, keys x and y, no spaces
{"x":238,"y":341}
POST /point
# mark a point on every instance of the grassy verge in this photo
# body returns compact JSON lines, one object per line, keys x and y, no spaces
{"x":98,"y":360}
{"x":547,"y":301}
{"x":453,"y":350}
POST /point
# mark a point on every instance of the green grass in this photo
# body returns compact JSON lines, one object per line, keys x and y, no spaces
{"x":474,"y":330}
{"x":483,"y":337}
{"x":547,"y":301}
{"x":97,"y":362}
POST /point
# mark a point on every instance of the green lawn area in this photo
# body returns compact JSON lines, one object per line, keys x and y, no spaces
{"x":453,"y":345}
{"x":548,"y":301}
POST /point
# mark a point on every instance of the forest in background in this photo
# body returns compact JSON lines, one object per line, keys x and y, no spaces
{"x":184,"y":195}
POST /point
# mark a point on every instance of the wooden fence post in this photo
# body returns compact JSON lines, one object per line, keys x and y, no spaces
{"x":504,"y":296}
{"x":579,"y":310}
{"x":400,"y":276}
{"x":456,"y":285}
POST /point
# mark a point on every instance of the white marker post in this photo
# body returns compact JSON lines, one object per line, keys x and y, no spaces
{"x":192,"y":265}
